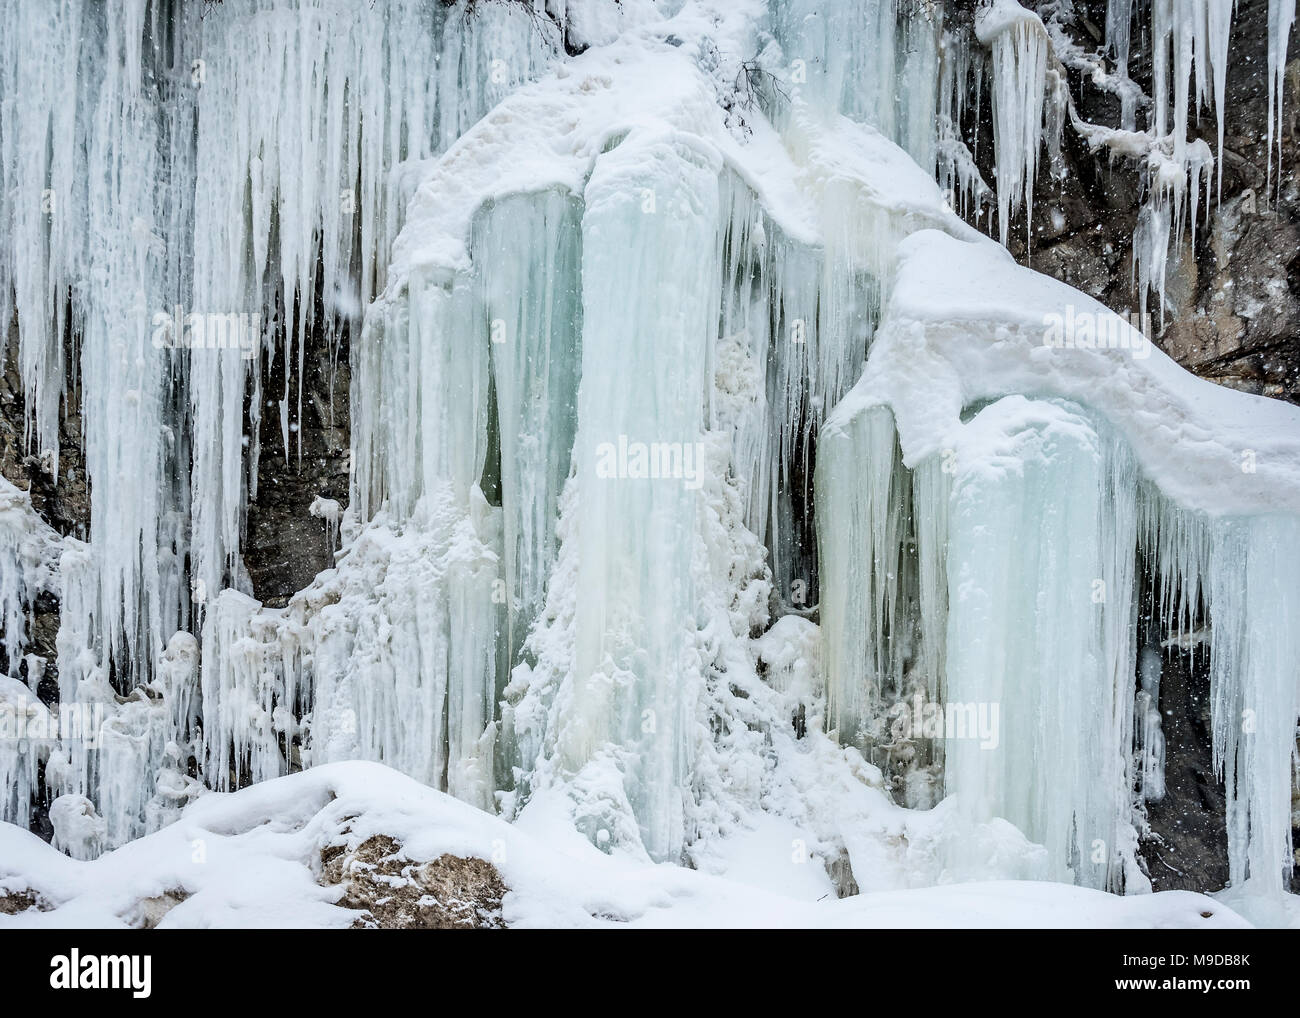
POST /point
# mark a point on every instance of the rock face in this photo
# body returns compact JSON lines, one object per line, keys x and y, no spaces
{"x":1188,"y":845}
{"x":64,"y":503}
{"x":1234,"y":295}
{"x":13,"y":902}
{"x":393,"y":892}
{"x":285,"y":545}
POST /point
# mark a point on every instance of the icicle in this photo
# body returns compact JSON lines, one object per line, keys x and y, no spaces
{"x":1254,"y":599}
{"x":1281,"y":16}
{"x":1019,"y":44}
{"x":125,"y":358}
{"x":1219,"y":17}
{"x":1119,"y":32}
{"x":786,"y":368}
{"x":527,"y":252}
{"x":1239,"y":575}
{"x":875,"y":61}
{"x":1150,"y":736}
{"x":862,"y":511}
{"x":43,"y":184}
{"x":1195,"y":34}
{"x":960,"y":73}
{"x":931,"y":496}
{"x":335,"y":67}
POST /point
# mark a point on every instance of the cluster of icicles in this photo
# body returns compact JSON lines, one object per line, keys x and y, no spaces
{"x":499,"y":622}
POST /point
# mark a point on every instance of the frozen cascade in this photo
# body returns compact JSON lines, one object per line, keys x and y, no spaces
{"x":91,"y":196}
{"x":765,"y":263}
{"x":43,"y":194}
{"x":1254,"y":597}
{"x":614,"y":320}
{"x":634,"y":683}
{"x":1017,"y":461}
{"x":1064,"y":696}
{"x":121,"y":167}
{"x":952,"y":534}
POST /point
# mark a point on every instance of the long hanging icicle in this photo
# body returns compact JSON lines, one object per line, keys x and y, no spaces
{"x":1020,"y":49}
{"x":1281,"y":16}
{"x":357,"y":95}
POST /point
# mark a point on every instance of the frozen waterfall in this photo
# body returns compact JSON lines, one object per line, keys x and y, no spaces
{"x":709,"y":461}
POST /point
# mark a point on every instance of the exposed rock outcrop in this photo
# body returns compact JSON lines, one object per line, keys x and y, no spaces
{"x":394,"y":892}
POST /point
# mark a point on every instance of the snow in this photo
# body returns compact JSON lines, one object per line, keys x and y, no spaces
{"x":252,"y":859}
{"x":966,"y":324}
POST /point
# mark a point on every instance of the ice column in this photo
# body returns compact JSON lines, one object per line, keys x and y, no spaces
{"x":1040,"y":607}
{"x":527,"y":255}
{"x":862,"y":514}
{"x":650,"y":203}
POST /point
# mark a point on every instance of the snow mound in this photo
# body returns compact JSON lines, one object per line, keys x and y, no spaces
{"x":253,"y":859}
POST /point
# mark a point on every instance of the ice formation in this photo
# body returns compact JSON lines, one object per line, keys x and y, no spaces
{"x":695,"y":436}
{"x":1018,"y":41}
{"x":1103,"y":484}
